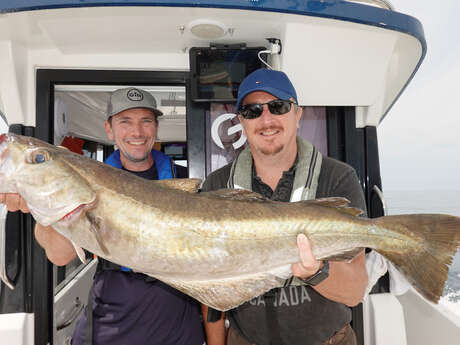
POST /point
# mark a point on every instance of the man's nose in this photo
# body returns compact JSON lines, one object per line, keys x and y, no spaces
{"x":137,"y":129}
{"x":266,"y":113}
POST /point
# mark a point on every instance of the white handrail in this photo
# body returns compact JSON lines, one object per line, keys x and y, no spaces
{"x":3,"y":276}
{"x":382,"y":200}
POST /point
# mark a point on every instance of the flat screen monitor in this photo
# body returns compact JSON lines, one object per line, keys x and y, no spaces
{"x":216,"y":73}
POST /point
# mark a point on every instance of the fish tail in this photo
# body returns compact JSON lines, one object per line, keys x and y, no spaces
{"x":437,"y":238}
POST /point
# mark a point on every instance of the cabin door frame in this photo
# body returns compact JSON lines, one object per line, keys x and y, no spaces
{"x":40,"y":272}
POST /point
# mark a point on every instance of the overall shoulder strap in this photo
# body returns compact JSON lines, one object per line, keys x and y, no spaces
{"x":306,"y":172}
{"x":241,"y":171}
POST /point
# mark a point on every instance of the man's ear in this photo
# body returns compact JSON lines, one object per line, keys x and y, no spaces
{"x":241,"y":119}
{"x":299,"y":113}
{"x":108,"y":130}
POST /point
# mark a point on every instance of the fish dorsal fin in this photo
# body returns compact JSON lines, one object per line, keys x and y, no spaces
{"x":236,"y":194}
{"x":190,"y":185}
{"x":354,"y":211}
{"x":330,"y":202}
{"x":340,"y":204}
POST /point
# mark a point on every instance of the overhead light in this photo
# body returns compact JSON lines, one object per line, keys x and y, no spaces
{"x":207,"y":29}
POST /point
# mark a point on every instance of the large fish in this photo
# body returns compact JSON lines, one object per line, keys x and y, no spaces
{"x":222,"y":248}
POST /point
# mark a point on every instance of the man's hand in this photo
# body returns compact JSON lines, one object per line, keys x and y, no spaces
{"x":347,"y":281}
{"x":59,"y":250}
{"x":308,"y":265}
{"x":14,"y":202}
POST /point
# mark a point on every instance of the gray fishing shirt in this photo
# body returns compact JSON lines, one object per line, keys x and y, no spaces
{"x":305,"y":317}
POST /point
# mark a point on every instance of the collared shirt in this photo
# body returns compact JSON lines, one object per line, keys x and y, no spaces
{"x":149,"y":174}
{"x":283,"y":189}
{"x":305,"y":317}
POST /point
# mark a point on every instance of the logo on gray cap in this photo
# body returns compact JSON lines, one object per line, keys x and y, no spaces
{"x":135,"y":95}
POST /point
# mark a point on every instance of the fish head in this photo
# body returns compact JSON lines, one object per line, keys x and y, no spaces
{"x":39,"y":172}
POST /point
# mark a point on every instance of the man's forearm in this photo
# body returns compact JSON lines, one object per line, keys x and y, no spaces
{"x":347,"y":281}
{"x":215,"y":331}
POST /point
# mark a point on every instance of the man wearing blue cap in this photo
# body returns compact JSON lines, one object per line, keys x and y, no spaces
{"x":313,"y":307}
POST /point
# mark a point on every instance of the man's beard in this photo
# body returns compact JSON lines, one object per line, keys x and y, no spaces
{"x":135,"y":159}
{"x":270,"y":151}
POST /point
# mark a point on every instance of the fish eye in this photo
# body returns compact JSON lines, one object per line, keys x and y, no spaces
{"x":38,"y":157}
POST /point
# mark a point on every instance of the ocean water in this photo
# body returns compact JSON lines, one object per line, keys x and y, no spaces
{"x":436,"y":201}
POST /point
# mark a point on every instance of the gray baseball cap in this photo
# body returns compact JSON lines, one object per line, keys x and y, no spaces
{"x":129,"y":98}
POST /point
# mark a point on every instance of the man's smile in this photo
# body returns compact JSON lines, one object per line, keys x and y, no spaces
{"x":267,"y":132}
{"x":136,"y":142}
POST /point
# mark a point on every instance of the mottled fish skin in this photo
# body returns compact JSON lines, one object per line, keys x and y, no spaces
{"x":222,"y":248}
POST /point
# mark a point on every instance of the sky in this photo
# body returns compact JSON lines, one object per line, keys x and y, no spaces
{"x":419,"y":140}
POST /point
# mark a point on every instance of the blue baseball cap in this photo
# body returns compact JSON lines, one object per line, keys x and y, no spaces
{"x":274,"y":82}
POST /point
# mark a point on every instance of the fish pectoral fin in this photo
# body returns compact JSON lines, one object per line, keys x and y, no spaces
{"x":340,"y":204}
{"x":80,"y":252}
{"x":227,"y":293}
{"x":236,"y":194}
{"x":190,"y":185}
{"x":96,"y":228}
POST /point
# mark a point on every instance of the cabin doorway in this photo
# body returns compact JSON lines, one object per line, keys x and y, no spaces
{"x":70,"y":111}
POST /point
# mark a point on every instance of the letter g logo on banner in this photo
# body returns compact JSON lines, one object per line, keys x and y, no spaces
{"x":232,"y":130}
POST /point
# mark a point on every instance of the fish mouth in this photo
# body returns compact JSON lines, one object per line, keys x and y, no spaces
{"x":77,"y":212}
{"x":4,"y":138}
{"x":65,"y":215}
{"x":3,"y":145}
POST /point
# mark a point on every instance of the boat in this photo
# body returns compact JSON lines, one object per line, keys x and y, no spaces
{"x":59,"y":59}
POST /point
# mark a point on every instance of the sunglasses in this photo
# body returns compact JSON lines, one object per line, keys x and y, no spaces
{"x":276,"y":107}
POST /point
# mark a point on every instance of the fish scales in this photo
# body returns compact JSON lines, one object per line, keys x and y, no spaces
{"x":222,"y":248}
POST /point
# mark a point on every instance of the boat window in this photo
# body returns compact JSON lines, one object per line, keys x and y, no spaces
{"x":79,"y":115}
{"x":80,"y":112}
